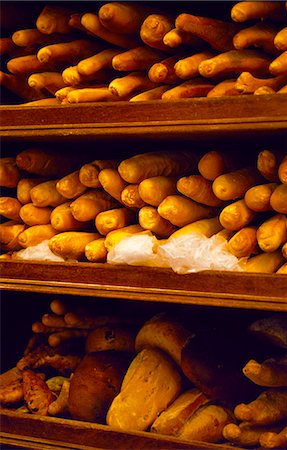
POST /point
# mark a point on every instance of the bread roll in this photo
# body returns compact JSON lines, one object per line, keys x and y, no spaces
{"x":95,"y":383}
{"x":164,"y":333}
{"x":151,"y":383}
{"x":111,"y":337}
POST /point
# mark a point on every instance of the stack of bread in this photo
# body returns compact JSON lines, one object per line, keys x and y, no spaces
{"x":189,"y":379}
{"x":82,"y":211}
{"x":129,"y":51}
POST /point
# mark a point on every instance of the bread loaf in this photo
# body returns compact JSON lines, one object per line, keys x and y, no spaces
{"x":111,"y":337}
{"x":151,"y":383}
{"x":95,"y":383}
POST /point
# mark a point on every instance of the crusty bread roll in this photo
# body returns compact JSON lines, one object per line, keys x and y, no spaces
{"x":111,"y":337}
{"x":151,"y":384}
{"x":96,"y":381}
{"x":173,"y":418}
{"x":165,"y":333}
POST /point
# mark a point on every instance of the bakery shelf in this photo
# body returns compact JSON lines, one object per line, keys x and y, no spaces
{"x":152,"y":284}
{"x":53,"y":433}
{"x":187,"y":118}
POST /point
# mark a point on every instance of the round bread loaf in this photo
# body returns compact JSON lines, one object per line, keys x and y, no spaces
{"x":164,"y":333}
{"x":96,"y":381}
{"x":151,"y":384}
{"x":111,"y":337}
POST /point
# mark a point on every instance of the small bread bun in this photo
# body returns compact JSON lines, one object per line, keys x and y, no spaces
{"x":164,"y":333}
{"x":151,"y":384}
{"x":96,"y":381}
{"x":111,"y":337}
{"x":173,"y":418}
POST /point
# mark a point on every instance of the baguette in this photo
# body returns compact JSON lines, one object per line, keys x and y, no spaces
{"x":176,"y":38}
{"x":62,"y":219}
{"x":68,"y":52}
{"x":27,"y":64}
{"x":71,"y":244}
{"x":9,"y":232}
{"x":145,"y":165}
{"x":245,"y":10}
{"x":236,"y":61}
{"x":278,"y":199}
{"x":247,"y":83}
{"x":46,"y":194}
{"x":268,"y":408}
{"x":198,"y":189}
{"x":36,"y":234}
{"x":279,"y":65}
{"x":91,"y":203}
{"x":95,"y":251}
{"x":280,"y":40}
{"x":115,"y":236}
{"x":32,"y":36}
{"x":24,"y":187}
{"x":131,"y":198}
{"x":49,"y":81}
{"x":245,"y":434}
{"x":163,"y":71}
{"x":33,"y":215}
{"x":102,"y":60}
{"x":130,"y":84}
{"x":44,"y":163}
{"x":89,"y":173}
{"x":260,"y":35}
{"x":113,"y":219}
{"x":149,"y":219}
{"x":225,"y":87}
{"x":54,"y":19}
{"x":272,"y":233}
{"x":187,"y":67}
{"x":10,"y":208}
{"x":73,"y":77}
{"x":181,"y":211}
{"x":205,"y":227}
{"x":137,"y":58}
{"x":154,"y":28}
{"x":215,"y":163}
{"x":236,"y":215}
{"x":150,"y":94}
{"x":92,"y":94}
{"x":270,"y":373}
{"x":123,"y":17}
{"x":17,"y":84}
{"x":244,"y":242}
{"x":153,"y":190}
{"x":265,"y":262}
{"x":70,"y":186}
{"x":197,"y":87}
{"x":9,"y":172}
{"x":268,"y":164}
{"x":235,"y":184}
{"x":258,"y":197}
{"x":217,"y":33}
{"x":92,"y":24}
{"x":112,"y":182}
{"x":274,"y":440}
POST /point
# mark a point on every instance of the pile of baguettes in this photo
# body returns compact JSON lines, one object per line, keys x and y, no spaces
{"x":84,"y":209}
{"x":202,"y":379}
{"x":127,"y":51}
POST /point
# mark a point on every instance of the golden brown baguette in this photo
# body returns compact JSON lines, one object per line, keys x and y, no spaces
{"x":150,"y":94}
{"x":271,"y":372}
{"x":46,"y":194}
{"x":150,"y":219}
{"x":282,"y":170}
{"x":34,"y":215}
{"x":180,"y":210}
{"x":274,"y":440}
{"x":280,"y":39}
{"x":236,"y":215}
{"x":35,"y":234}
{"x":130,"y":84}
{"x":187,"y":67}
{"x":49,"y":81}
{"x":54,"y":19}
{"x":101,"y":60}
{"x":198,"y":189}
{"x":71,"y":244}
{"x":233,"y":185}
{"x":113,"y":219}
{"x":163,"y":71}
{"x":247,"y":83}
{"x":261,"y":35}
{"x":223,"y":88}
{"x":145,"y":165}
{"x":154,"y":28}
{"x":89,"y":173}
{"x":153,"y":190}
{"x":62,"y":219}
{"x":278,"y":199}
{"x":265,"y":262}
{"x":268,"y":162}
{"x":91,"y":203}
{"x":95,"y":251}
{"x":68,"y":52}
{"x":217,"y":33}
{"x":115,"y":236}
{"x":272,"y":233}
{"x":243,"y":242}
{"x":9,"y":232}
{"x":131,"y":198}
{"x":258,"y":197}
{"x":112,"y":182}
{"x":246,"y":434}
{"x":245,"y":10}
{"x":206,"y":227}
{"x":176,"y":38}
{"x":279,"y":65}
{"x":70,"y":185}
{"x":24,"y":187}
{"x":196,"y":87}
{"x":215,"y":163}
{"x":123,"y":17}
{"x":137,"y":58}
{"x":10,"y":208}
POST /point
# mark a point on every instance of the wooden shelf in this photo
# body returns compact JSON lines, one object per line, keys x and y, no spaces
{"x":198,"y":117}
{"x":213,"y":288}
